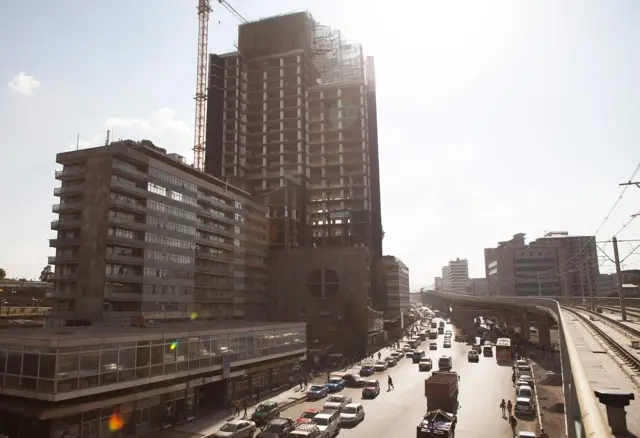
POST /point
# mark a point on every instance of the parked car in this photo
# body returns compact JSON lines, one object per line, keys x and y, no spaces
{"x":307,"y":416}
{"x":371,"y":389}
{"x":367,"y":370}
{"x":265,"y":412}
{"x":352,"y":414}
{"x":316,"y":392}
{"x":391,"y":361}
{"x":433,"y":346}
{"x":380,"y":365}
{"x":353,"y":381}
{"x":524,"y":391}
{"x":337,"y":402}
{"x":335,"y":384}
{"x":236,"y":429}
{"x":278,"y":428}
{"x":524,"y":405}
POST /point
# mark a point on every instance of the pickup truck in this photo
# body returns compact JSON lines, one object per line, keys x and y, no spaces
{"x":437,"y":424}
{"x":441,"y":390}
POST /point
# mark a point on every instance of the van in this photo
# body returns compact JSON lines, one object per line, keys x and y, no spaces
{"x":417,"y":356}
{"x":445,"y":363}
{"x":487,"y":351}
{"x":328,"y":422}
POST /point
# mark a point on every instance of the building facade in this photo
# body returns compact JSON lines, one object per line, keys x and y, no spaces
{"x":141,"y":233}
{"x":478,"y":287}
{"x":397,"y":287}
{"x":297,"y":100}
{"x":437,"y":284}
{"x":458,"y":273}
{"x":446,"y":285}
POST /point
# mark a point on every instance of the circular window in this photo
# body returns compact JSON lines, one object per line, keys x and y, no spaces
{"x":323,"y":283}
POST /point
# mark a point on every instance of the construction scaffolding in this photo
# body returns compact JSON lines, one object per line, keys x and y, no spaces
{"x":335,"y":60}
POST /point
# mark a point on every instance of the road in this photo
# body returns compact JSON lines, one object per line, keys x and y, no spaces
{"x":396,"y":413}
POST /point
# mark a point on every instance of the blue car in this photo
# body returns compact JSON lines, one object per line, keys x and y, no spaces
{"x":335,"y":384}
{"x":316,"y":392}
{"x":367,"y":370}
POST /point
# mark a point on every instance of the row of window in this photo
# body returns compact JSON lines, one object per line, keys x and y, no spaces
{"x":164,"y":289}
{"x":169,"y":241}
{"x":168,"y":258}
{"x":125,"y":234}
{"x":171,"y":226}
{"x":115,"y":269}
{"x":174,"y":211}
{"x":168,"y":273}
{"x":173,"y":180}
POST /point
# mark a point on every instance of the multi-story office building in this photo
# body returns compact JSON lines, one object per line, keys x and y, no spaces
{"x":297,"y":100}
{"x":446,"y":286}
{"x":458,"y":275}
{"x":397,"y":287}
{"x":141,"y":233}
{"x":478,"y":287}
{"x":438,"y":284}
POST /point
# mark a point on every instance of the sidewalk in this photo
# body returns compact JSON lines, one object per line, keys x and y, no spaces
{"x":603,"y":371}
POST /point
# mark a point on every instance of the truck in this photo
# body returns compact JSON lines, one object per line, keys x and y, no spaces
{"x":437,"y":424}
{"x":441,"y":390}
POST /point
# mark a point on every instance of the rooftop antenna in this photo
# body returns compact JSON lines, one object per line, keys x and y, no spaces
{"x":106,"y":142}
{"x":77,"y":142}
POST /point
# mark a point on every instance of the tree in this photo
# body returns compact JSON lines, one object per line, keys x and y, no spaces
{"x":46,"y":273}
{"x":3,"y":274}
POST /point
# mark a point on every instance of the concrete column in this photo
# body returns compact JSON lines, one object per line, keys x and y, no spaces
{"x":544,"y":332}
{"x":524,"y":328}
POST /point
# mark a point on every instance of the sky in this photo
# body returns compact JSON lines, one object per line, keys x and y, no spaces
{"x":495,"y":117}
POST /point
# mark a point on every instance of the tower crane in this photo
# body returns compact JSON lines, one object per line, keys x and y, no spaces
{"x":204,"y":9}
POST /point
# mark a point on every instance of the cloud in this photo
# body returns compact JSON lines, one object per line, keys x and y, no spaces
{"x":23,"y":84}
{"x":162,"y":128}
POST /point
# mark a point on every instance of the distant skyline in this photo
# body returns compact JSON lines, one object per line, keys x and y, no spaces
{"x":494,"y":117}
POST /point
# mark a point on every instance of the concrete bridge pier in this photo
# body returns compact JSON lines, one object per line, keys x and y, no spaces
{"x":544,"y":331}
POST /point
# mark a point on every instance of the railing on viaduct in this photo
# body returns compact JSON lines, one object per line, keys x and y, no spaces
{"x":583,"y":415}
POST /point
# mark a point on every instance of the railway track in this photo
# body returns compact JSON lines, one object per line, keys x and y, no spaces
{"x":627,"y":357}
{"x":631,"y":312}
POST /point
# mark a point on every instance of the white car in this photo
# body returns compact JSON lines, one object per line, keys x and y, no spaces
{"x":380,"y":365}
{"x":337,"y":402}
{"x":352,"y":413}
{"x":524,"y":405}
{"x":328,"y":422}
{"x":526,"y":379}
{"x":236,"y":429}
{"x":524,"y":371}
{"x":524,"y":391}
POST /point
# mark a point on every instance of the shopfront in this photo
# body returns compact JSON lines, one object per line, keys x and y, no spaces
{"x":262,"y":378}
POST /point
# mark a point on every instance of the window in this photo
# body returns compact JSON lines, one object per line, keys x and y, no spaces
{"x":171,"y":226}
{"x":169,"y":241}
{"x":174,"y":211}
{"x":323,"y":283}
{"x":157,"y":189}
{"x":173,"y":180}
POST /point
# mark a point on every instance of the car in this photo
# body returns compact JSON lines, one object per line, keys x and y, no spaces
{"x":391,"y":361}
{"x":337,"y":402}
{"x":445,"y":363}
{"x":328,"y":422}
{"x":406,"y":348}
{"x":524,"y":371}
{"x":307,"y":416}
{"x":307,"y":430}
{"x":447,"y":343}
{"x":367,"y":370}
{"x":528,"y":380}
{"x":425,"y":364}
{"x":278,"y":428}
{"x":335,"y":384}
{"x":473,"y":356}
{"x":265,"y":412}
{"x":316,"y":392}
{"x":352,"y":414}
{"x":380,"y":365}
{"x":409,"y":353}
{"x":524,"y":405}
{"x":433,"y":346}
{"x":396,"y":356}
{"x":236,"y":429}
{"x":400,"y":352}
{"x":371,"y":389}
{"x":524,"y":391}
{"x":521,"y":363}
{"x":353,"y":381}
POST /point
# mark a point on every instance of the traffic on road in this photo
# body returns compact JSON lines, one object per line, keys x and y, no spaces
{"x":430,"y":385}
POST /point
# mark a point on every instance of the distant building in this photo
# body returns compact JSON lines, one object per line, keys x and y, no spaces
{"x":397,"y":287}
{"x":437,"y":284}
{"x":458,"y":275}
{"x":446,"y":286}
{"x":478,"y":287}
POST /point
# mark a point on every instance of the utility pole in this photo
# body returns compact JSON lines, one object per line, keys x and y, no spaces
{"x":623,"y":310}
{"x":590,"y":286}
{"x":539,"y":289}
{"x":582,"y":286}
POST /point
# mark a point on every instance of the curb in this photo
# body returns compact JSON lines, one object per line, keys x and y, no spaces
{"x":292,"y":403}
{"x":538,"y":414}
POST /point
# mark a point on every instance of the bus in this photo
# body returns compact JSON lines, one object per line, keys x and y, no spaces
{"x":503,"y":350}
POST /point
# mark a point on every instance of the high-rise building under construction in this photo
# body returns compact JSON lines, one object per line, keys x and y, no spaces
{"x":291,"y":115}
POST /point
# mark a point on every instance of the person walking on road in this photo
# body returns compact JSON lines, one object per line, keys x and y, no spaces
{"x":503,"y":406}
{"x":513,"y":423}
{"x":237,"y":403}
{"x":390,"y":382}
{"x":379,"y":355}
{"x":543,"y":434}
{"x":509,"y":407}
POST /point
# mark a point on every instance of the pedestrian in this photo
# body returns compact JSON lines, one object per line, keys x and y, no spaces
{"x":301,"y":382}
{"x":237,"y":403}
{"x":509,"y":407}
{"x":379,"y":355}
{"x":291,"y":381}
{"x":245,"y":405}
{"x":306,"y":383}
{"x":513,"y":422}
{"x":390,"y":382}
{"x":503,"y":406}
{"x":543,"y":434}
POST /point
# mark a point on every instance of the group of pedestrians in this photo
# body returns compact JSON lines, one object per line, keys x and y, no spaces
{"x":507,"y":408}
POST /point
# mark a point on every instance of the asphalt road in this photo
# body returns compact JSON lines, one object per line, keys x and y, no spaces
{"x":396,"y":413}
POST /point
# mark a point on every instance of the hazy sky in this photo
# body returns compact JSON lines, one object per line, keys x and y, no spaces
{"x":495,"y":117}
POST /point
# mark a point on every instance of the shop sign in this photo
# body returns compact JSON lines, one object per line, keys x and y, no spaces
{"x":267,"y":366}
{"x":200,"y":381}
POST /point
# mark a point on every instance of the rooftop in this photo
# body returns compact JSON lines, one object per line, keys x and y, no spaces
{"x":71,"y":336}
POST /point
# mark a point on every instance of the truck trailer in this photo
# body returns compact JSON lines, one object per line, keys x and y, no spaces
{"x":441,"y":390}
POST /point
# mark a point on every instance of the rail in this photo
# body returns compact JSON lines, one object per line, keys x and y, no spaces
{"x":594,"y":425}
{"x":619,"y":325}
{"x":624,"y":354}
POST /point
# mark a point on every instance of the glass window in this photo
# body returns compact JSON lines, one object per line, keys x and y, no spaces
{"x":89,"y":363}
{"x":127,"y":358}
{"x":47,"y":366}
{"x":14,"y":363}
{"x":30,"y":365}
{"x":143,"y":355}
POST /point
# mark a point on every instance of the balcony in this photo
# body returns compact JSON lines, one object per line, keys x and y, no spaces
{"x":71,"y":173}
{"x":127,"y":223}
{"x":62,"y":259}
{"x":130,"y":206}
{"x":123,"y":296}
{"x":66,"y":276}
{"x":129,"y":189}
{"x":214,"y":229}
{"x":126,"y":170}
{"x":69,"y":207}
{"x":177,"y":314}
{"x":213,"y":270}
{"x":124,"y":278}
{"x":63,"y":294}
{"x":69,"y":190}
{"x":125,"y":259}
{"x":65,"y":242}
{"x":124,"y":241}
{"x":213,"y":243}
{"x":65,"y":224}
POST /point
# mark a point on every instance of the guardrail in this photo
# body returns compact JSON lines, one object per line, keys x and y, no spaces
{"x":17,"y":312}
{"x":592,"y":423}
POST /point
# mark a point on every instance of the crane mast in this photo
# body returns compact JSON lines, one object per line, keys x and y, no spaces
{"x":204,"y":8}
